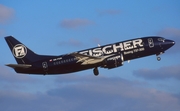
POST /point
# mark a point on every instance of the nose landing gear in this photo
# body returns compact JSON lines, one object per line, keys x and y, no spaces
{"x":157,"y":55}
{"x":158,"y":58}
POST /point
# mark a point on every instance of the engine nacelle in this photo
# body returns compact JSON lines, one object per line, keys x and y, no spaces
{"x":113,"y":61}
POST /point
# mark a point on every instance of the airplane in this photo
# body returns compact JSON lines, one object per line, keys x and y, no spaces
{"x":108,"y":56}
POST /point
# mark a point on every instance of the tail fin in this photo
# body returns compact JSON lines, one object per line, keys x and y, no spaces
{"x":21,"y":53}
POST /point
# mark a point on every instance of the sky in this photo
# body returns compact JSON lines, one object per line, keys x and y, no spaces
{"x":63,"y":26}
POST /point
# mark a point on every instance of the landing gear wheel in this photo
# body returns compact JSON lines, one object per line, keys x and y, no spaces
{"x":96,"y":72}
{"x":158,"y":58}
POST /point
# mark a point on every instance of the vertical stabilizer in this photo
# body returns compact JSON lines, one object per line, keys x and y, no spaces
{"x":21,"y":53}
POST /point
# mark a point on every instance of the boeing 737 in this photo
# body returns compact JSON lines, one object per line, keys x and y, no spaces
{"x":107,"y":56}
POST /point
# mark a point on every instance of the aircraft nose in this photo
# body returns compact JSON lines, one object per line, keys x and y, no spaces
{"x":167,"y":44}
{"x":170,"y":42}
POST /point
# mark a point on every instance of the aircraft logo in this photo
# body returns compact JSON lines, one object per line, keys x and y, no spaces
{"x":113,"y":48}
{"x":19,"y":51}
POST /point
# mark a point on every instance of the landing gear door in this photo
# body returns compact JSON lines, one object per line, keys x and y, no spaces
{"x":45,"y":66}
{"x":150,"y":42}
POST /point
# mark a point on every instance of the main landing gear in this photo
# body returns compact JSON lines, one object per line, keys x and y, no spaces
{"x":96,"y":72}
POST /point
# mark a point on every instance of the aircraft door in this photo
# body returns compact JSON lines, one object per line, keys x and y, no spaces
{"x":45,"y":66}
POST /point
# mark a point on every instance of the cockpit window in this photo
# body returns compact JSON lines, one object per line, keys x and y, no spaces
{"x":161,"y":39}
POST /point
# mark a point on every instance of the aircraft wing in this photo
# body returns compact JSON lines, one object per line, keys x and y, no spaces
{"x":87,"y":59}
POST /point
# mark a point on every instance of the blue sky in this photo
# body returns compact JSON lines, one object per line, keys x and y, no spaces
{"x":57,"y":27}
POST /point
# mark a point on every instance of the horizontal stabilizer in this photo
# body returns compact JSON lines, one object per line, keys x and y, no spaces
{"x":19,"y":65}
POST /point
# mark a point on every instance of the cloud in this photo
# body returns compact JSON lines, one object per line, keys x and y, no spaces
{"x":6,"y":13}
{"x":75,"y":23}
{"x":111,"y":94}
{"x":170,"y":32}
{"x":11,"y":80}
{"x":159,"y":74}
{"x":8,"y":76}
{"x":174,"y":34}
{"x":73,"y":92}
{"x":109,"y":12}
{"x":71,"y":42}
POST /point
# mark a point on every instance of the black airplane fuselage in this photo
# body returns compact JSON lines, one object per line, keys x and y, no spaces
{"x":107,"y":56}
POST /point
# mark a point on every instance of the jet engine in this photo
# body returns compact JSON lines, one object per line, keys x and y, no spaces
{"x":113,"y":61}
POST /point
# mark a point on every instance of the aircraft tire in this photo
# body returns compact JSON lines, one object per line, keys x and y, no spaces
{"x":158,"y":58}
{"x":96,"y":72}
